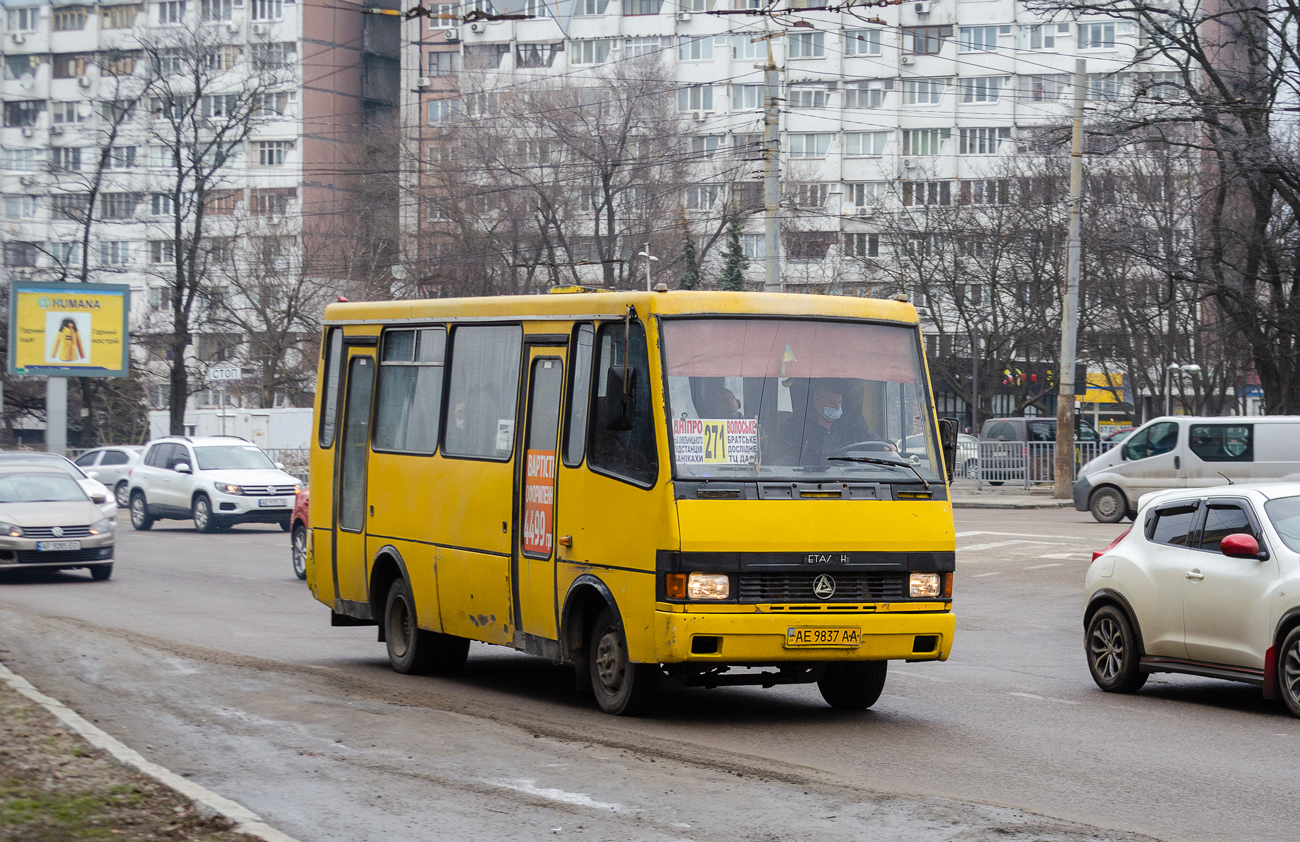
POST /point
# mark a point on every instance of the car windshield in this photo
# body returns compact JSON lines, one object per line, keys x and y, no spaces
{"x":44,"y":460}
{"x":39,"y":488}
{"x":1285,"y":514}
{"x":226,"y":457}
{"x":801,"y":399}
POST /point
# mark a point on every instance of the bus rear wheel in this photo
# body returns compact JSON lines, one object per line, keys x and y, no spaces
{"x":853,"y":685}
{"x":413,"y":650}
{"x":621,"y":687}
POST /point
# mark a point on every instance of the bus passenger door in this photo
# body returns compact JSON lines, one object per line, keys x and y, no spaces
{"x":350,"y":483}
{"x":535,"y":599}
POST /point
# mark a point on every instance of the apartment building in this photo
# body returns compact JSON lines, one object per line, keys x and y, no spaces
{"x":84,"y":93}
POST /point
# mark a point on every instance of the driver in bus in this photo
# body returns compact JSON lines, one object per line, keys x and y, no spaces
{"x":826,"y":427}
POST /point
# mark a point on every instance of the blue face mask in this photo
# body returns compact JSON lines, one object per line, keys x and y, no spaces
{"x":832,"y":414}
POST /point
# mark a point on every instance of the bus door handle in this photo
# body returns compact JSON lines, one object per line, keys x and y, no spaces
{"x":372,"y":511}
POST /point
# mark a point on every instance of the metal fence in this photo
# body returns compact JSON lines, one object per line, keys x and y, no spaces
{"x":294,"y":459}
{"x":1027,"y":463}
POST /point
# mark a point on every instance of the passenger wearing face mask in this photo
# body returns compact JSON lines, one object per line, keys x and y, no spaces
{"x":826,"y":428}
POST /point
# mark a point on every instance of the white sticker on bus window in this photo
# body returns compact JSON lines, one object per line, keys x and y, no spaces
{"x":718,"y":441}
{"x":505,"y":433}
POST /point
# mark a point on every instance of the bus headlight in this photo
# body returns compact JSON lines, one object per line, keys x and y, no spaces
{"x":708,"y":586}
{"x":923,"y":585}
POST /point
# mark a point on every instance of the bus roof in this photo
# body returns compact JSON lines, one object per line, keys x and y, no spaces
{"x":578,"y":305}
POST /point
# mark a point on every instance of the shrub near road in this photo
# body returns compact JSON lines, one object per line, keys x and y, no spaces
{"x":55,"y":787}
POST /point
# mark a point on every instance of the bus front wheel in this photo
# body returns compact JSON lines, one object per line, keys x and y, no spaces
{"x":413,"y":650}
{"x":621,"y":687}
{"x":853,"y":685}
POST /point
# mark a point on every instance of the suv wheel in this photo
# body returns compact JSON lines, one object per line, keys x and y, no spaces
{"x":140,"y":518}
{"x":123,"y":494}
{"x":201,"y":509}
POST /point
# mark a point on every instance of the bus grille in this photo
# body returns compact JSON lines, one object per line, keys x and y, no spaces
{"x":798,"y":587}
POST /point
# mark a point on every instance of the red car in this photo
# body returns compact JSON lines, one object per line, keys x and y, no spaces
{"x":298,"y":531}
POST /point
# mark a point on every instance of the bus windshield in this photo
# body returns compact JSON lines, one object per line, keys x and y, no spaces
{"x":797,"y":399}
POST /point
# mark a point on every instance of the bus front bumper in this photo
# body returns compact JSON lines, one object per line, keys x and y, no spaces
{"x":763,"y":636}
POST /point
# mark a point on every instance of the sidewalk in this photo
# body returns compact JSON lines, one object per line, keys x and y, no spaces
{"x":966,"y":494}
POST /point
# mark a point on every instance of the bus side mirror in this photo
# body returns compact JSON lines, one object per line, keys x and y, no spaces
{"x":620,"y":397}
{"x":948,"y":444}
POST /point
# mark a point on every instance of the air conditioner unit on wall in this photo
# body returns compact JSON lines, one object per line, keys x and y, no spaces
{"x":232,"y":28}
{"x":477,"y":26}
{"x":453,"y":34}
{"x":683,"y":16}
{"x":699,"y":116}
{"x":259,"y":29}
{"x":922,"y":8}
{"x":28,"y":131}
{"x":906,"y":59}
{"x":907,"y":163}
{"x":83,"y":81}
{"x":56,"y":129}
{"x":425,"y":81}
{"x":26,"y":181}
{"x":18,"y":37}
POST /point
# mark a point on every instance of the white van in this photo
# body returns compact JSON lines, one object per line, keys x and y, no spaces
{"x":1188,"y":452}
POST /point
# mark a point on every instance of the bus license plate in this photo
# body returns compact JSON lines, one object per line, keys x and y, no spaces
{"x":272,"y":501}
{"x":56,"y":546}
{"x":846,"y":637}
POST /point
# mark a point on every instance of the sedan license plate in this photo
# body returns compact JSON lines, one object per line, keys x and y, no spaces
{"x":278,"y":502}
{"x":57,"y":546}
{"x":846,"y":637}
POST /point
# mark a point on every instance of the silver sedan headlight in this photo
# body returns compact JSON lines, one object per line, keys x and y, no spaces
{"x":101,"y":527}
{"x":9,"y":530}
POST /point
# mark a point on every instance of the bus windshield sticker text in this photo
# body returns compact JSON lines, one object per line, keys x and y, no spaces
{"x":539,"y":501}
{"x":720,"y":441}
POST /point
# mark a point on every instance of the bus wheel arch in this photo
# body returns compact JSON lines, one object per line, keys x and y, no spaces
{"x":587,"y":597}
{"x":388,"y":567}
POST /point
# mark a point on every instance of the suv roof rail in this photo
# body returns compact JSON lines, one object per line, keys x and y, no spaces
{"x":224,"y":436}
{"x":182,"y":438}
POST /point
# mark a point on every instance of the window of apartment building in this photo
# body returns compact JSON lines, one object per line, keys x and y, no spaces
{"x":485,"y":56}
{"x":118,"y":205}
{"x":1103,"y":87}
{"x":66,"y":253}
{"x":68,"y":65}
{"x":744,"y":97}
{"x":23,"y":20}
{"x":698,"y":5}
{"x":923,"y":91}
{"x":272,"y":251}
{"x":69,"y":18}
{"x":974,"y":39}
{"x":867,"y":194}
{"x":114,"y":252}
{"x":268,"y":9}
{"x":162,"y":204}
{"x":70,"y":205}
{"x":482,"y":104}
{"x":216,"y":11}
{"x":808,"y":195}
{"x":272,"y":55}
{"x":702,"y":196}
{"x":120,"y":158}
{"x":981,"y":141}
{"x":118,"y":62}
{"x":986,"y":191}
{"x":927,"y":193}
{"x":865,"y":144}
{"x":167,"y":108}
{"x":273,"y":104}
{"x":21,"y":255}
{"x":443,"y":15}
{"x":23,"y":112}
{"x":748,"y":46}
{"x":1042,"y":36}
{"x":862,"y":42}
{"x":21,"y":207}
{"x":272,"y":153}
{"x":118,"y":17}
{"x":20,"y":160}
{"x":447,"y":63}
{"x":869,"y":93}
{"x":705,"y":146}
{"x":271,"y":201}
{"x":695,"y":98}
{"x":18,"y":66}
{"x":805,"y":45}
{"x":808,"y":145}
{"x":809,"y":245}
{"x":1097,"y":36}
{"x":634,"y":47}
{"x":218,"y":106}
{"x":642,"y":7}
{"x":862,"y":245}
{"x":590,"y":7}
{"x":443,"y":110}
{"x":168,"y":62}
{"x":162,"y":251}
{"x":160,"y":298}
{"x":979,"y":89}
{"x":222,"y":202}
{"x":754,"y":245}
{"x":809,"y":95}
{"x":220,"y":250}
{"x":220,"y":58}
{"x":695,"y":49}
{"x":589,"y":52}
{"x":526,"y":55}
{"x":64,"y":113}
{"x":1045,"y":87}
{"x":925,"y":40}
{"x":217,"y":154}
{"x":745,"y":144}
{"x":925,"y":141}
{"x":171,"y":12}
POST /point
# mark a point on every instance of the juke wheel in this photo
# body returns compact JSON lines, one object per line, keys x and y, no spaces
{"x":1288,"y":671}
{"x":1113,"y":655}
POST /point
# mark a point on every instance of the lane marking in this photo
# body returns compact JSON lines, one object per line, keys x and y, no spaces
{"x":1067,"y":555}
{"x":1043,"y":566}
{"x":982,"y":575}
{"x":918,"y":675}
{"x":996,"y":544}
{"x":1038,"y":698}
{"x":528,"y":786}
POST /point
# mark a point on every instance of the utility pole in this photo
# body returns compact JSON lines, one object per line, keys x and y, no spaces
{"x":771,"y":172}
{"x":1064,"y":488}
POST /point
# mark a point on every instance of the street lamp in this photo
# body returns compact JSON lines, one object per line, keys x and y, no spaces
{"x":649,"y":287}
{"x":1191,"y":368}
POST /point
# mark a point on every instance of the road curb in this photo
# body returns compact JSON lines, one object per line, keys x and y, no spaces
{"x":994,"y":504}
{"x":207,"y":802}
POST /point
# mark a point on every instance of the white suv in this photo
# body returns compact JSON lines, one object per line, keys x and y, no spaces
{"x":218,"y":481}
{"x":1207,"y":583}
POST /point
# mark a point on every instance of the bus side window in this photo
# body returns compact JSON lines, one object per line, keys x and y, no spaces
{"x":329,"y":404}
{"x":625,"y":453}
{"x":575,"y":435}
{"x":483,"y":391}
{"x":410,"y":391}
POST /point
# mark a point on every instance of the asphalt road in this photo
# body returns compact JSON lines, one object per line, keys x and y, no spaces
{"x":204,"y":653}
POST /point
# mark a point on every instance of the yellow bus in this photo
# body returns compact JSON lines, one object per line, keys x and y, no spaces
{"x":699,"y":488}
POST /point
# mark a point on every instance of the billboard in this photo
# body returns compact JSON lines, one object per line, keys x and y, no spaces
{"x":69,"y":330}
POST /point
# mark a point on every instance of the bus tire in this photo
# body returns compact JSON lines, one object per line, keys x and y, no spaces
{"x":853,"y":685}
{"x":413,"y":650}
{"x":620,"y":686}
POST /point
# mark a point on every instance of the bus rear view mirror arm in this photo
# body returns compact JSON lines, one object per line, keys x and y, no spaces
{"x":621,"y":394}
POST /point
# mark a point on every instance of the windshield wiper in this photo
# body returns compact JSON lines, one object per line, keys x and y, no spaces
{"x":876,"y":460}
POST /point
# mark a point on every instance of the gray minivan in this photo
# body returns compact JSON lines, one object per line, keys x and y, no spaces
{"x":1188,"y":452}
